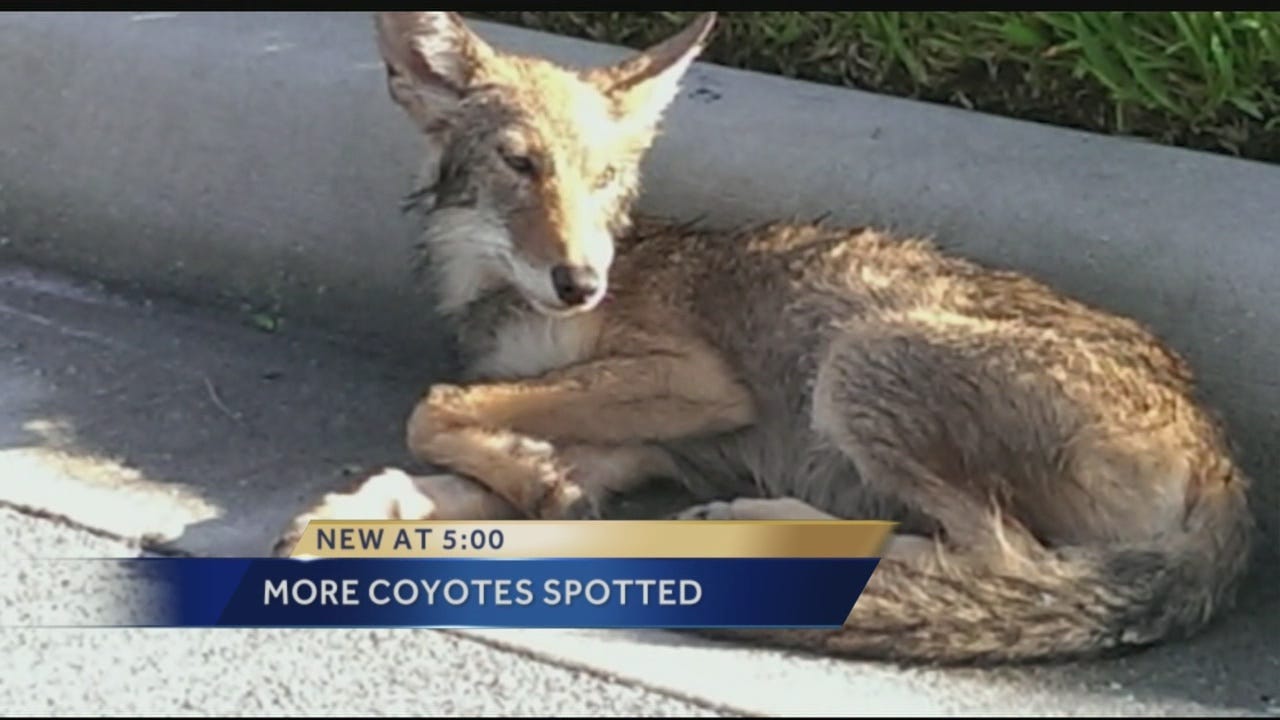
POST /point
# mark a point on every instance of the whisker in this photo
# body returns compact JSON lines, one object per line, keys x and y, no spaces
{"x":475,"y":243}
{"x":415,"y":199}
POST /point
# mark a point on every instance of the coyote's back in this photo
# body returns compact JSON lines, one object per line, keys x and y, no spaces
{"x":1084,"y":500}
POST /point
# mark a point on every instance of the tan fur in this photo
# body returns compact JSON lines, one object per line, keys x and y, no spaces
{"x":1060,"y":490}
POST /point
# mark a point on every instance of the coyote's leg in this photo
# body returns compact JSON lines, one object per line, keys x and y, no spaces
{"x":785,"y":508}
{"x":593,"y":472}
{"x":396,"y":495}
{"x":539,"y":479}
{"x":553,"y":445}
{"x":899,"y":546}
{"x":612,"y":401}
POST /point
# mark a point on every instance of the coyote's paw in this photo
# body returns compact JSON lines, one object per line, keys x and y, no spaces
{"x":444,"y":409}
{"x":785,"y":508}
{"x":905,"y":547}
{"x":717,"y":510}
{"x":448,"y":406}
{"x":396,"y":495}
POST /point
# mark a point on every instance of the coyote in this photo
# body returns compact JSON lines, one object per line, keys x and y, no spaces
{"x":1060,"y":492}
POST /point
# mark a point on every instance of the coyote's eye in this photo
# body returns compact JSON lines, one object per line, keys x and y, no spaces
{"x":606,"y":178}
{"x":521,"y":164}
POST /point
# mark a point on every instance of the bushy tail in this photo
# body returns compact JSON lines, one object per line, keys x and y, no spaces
{"x":1066,"y":604}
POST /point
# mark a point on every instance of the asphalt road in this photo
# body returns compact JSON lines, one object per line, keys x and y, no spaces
{"x":141,"y":672}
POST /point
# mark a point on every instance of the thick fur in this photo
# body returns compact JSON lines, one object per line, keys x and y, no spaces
{"x":1061,"y":490}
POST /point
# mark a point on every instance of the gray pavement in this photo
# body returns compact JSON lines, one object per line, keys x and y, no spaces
{"x":139,"y":418}
{"x":136,"y":672}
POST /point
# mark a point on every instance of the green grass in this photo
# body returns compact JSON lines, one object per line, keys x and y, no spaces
{"x":1206,"y":80}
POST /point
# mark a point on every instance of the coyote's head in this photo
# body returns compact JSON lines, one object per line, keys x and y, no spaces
{"x":533,"y":166}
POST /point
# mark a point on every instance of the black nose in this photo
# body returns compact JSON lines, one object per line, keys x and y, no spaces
{"x":574,"y":283}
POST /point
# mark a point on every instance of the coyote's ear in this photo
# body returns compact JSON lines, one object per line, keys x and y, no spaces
{"x":431,"y":59}
{"x":643,"y":86}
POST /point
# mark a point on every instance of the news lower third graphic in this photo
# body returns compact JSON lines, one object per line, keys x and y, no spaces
{"x":527,"y":574}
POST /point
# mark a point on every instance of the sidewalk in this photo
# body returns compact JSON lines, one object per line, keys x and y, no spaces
{"x":139,"y":418}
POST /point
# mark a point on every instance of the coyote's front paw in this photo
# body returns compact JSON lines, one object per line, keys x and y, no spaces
{"x":444,"y":409}
{"x":718,"y":510}
{"x":449,"y":405}
{"x":396,"y":495}
{"x":784,"y":508}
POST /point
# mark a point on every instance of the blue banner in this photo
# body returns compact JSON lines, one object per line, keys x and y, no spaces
{"x":505,"y":593}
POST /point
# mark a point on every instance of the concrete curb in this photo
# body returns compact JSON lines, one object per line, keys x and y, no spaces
{"x":256,"y":158}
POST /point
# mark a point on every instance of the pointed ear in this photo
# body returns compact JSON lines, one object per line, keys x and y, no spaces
{"x":431,"y":60}
{"x":642,"y":87}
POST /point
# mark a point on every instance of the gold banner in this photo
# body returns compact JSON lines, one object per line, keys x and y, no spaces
{"x":594,"y":539}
